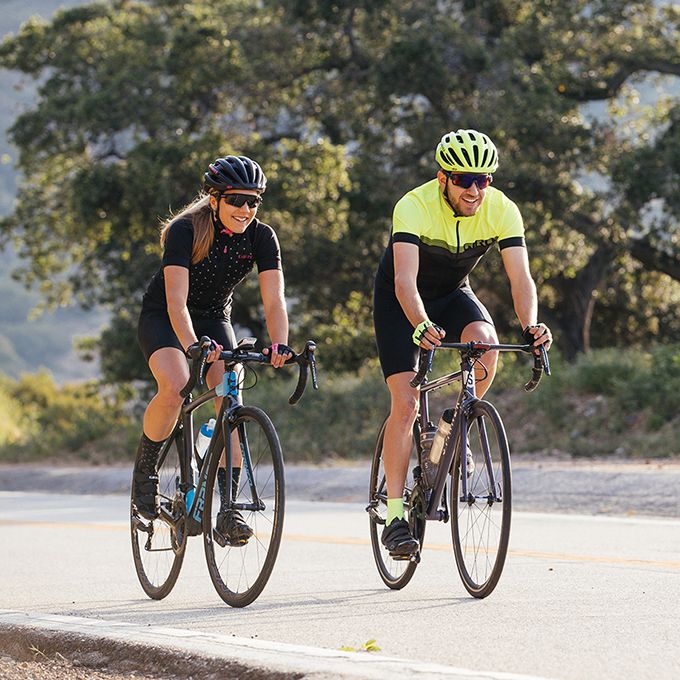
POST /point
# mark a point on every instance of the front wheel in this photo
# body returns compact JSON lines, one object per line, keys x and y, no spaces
{"x":480,"y":520}
{"x":395,"y":573}
{"x":158,"y":545}
{"x":241,"y":570}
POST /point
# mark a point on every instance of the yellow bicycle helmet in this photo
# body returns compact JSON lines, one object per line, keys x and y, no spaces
{"x":467,"y":151}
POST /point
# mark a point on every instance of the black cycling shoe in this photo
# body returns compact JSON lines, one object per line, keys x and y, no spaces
{"x":233,"y":527}
{"x":145,"y":493}
{"x":397,"y":538}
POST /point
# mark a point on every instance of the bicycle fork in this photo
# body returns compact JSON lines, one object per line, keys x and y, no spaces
{"x":256,"y":504}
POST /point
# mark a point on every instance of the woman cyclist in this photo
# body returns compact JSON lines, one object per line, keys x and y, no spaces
{"x":208,"y":249}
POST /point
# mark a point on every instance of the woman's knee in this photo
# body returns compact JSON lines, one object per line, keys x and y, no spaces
{"x":169,"y":384}
{"x":168,"y":395}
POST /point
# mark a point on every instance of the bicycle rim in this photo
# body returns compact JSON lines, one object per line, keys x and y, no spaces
{"x":158,"y":546}
{"x":240,"y":572}
{"x":394,"y":573}
{"x":480,"y":523}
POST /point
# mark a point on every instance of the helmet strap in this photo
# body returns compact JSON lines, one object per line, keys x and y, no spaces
{"x":217,"y":221}
{"x":446,"y":198}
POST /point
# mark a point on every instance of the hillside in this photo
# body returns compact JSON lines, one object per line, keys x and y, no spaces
{"x":46,"y":341}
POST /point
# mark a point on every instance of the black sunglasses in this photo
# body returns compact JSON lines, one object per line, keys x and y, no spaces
{"x":466,"y":179}
{"x":237,"y":200}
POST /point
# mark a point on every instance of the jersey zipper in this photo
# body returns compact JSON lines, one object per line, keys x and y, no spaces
{"x":457,"y":237}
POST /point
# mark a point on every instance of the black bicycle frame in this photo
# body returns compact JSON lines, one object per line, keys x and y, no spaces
{"x":183,"y":434}
{"x":467,"y":397}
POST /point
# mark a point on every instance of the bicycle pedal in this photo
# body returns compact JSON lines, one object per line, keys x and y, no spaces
{"x":219,"y":539}
{"x":400,"y":558}
{"x":224,"y":541}
{"x":404,"y":557}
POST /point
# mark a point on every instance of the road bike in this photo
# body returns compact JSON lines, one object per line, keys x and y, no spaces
{"x":189,"y":497}
{"x":480,"y":497}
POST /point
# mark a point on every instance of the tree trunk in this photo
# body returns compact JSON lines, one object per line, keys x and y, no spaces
{"x":574,"y":315}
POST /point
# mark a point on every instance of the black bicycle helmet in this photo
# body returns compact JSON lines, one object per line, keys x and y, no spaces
{"x":234,"y":172}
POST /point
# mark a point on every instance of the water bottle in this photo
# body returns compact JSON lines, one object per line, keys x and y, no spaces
{"x":189,"y":498}
{"x":443,"y":430}
{"x":202,"y":441}
{"x":193,"y":478}
{"x":204,"y":436}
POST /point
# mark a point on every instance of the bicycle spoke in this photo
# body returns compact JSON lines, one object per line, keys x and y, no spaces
{"x":480,"y":530}
{"x":239,"y":570}
{"x":395,"y":573}
{"x":157,"y":550}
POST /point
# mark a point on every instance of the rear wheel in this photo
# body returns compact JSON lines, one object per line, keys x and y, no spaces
{"x":395,"y":573}
{"x":240,"y":572}
{"x":158,"y":545}
{"x":480,"y":522}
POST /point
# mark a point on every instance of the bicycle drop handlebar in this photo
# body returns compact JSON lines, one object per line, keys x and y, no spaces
{"x":477,"y":349}
{"x":306,"y":359}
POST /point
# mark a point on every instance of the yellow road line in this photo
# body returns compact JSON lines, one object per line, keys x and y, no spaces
{"x":533,"y":554}
{"x":42,"y":524}
{"x":301,"y":538}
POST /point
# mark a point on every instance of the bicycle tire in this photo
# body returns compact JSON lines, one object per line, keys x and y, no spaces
{"x":394,"y":573}
{"x":158,"y":548}
{"x":481,"y":530}
{"x":239,"y":573}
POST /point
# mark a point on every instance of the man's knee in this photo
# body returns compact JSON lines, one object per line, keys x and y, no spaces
{"x":479,"y":331}
{"x":404,"y":409}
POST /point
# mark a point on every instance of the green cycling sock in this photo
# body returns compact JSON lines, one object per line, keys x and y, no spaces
{"x":395,"y":509}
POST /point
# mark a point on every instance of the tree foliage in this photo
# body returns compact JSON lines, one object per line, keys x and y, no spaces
{"x":343,"y":102}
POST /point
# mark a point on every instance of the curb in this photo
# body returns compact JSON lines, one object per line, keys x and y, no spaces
{"x":125,"y":647}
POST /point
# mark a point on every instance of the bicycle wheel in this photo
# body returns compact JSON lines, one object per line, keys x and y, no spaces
{"x":395,"y":573}
{"x":158,"y":546}
{"x":480,"y":523}
{"x":240,"y":572}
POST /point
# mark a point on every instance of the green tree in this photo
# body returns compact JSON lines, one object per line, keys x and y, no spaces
{"x":134,"y":106}
{"x":344,"y":102}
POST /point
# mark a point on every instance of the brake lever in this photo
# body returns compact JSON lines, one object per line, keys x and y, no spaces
{"x":544,"y":360}
{"x":312,"y":369}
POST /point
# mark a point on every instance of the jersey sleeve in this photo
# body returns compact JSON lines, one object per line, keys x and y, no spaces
{"x":511,"y":231}
{"x":407,"y":219}
{"x":267,"y":249}
{"x":178,"y":244}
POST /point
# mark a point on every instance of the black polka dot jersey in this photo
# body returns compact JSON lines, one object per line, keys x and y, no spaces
{"x":212,"y":280}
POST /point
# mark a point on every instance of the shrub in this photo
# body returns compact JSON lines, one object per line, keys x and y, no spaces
{"x":42,"y":420}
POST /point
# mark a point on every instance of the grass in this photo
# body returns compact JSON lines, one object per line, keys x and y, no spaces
{"x":609,"y":402}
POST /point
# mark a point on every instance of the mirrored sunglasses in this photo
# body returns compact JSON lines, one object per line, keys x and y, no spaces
{"x":237,"y":200}
{"x":466,"y":179}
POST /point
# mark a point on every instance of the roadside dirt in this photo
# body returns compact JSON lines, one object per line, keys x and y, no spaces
{"x":540,"y":484}
{"x":34,"y":655}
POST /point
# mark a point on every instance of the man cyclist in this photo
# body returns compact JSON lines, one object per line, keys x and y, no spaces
{"x":208,"y":250}
{"x":440,"y":231}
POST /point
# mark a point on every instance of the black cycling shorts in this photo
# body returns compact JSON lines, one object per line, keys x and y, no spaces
{"x":154,"y":331}
{"x":394,"y":332}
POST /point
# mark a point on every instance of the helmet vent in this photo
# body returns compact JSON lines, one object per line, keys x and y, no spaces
{"x":456,"y":159}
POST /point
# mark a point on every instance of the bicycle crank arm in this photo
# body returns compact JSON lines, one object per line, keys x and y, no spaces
{"x":253,"y":507}
{"x":374,"y":515}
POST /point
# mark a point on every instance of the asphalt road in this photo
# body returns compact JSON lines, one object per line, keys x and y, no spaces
{"x":580,"y":597}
